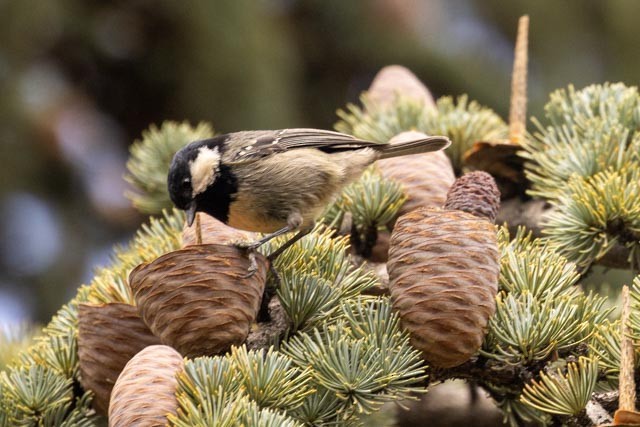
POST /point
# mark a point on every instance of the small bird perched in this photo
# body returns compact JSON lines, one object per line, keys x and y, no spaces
{"x":275,"y":181}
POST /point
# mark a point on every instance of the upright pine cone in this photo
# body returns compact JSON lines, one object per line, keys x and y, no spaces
{"x":476,"y":193}
{"x":109,"y":335}
{"x":201,"y":299}
{"x":396,"y":80}
{"x":425,"y":178}
{"x":443,"y":278}
{"x":144,"y":393}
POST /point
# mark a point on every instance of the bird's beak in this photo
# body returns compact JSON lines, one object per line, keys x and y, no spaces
{"x":191,"y":213}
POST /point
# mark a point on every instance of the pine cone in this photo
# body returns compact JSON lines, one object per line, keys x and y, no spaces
{"x":144,"y":393}
{"x":215,"y":232}
{"x":476,"y":193}
{"x":425,"y":180}
{"x":443,"y":279}
{"x":200,"y":300}
{"x":109,"y":335}
{"x":394,"y":80}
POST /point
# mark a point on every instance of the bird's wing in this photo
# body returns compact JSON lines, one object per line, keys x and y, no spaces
{"x":289,"y":139}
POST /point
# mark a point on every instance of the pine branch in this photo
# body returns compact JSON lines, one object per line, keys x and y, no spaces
{"x":595,"y":214}
{"x":520,"y":333}
{"x":592,"y":143}
{"x":15,"y":339}
{"x":563,"y":394}
{"x":517,"y":213}
{"x":270,"y":379}
{"x":35,"y":395}
{"x":160,"y":236}
{"x":317,"y":275}
{"x":149,"y":163}
{"x":221,"y":410}
{"x":464,"y":122}
{"x":529,"y":265}
{"x":584,"y":148}
{"x":373,"y":202}
{"x":606,"y":345}
{"x":362,"y":358}
{"x":590,"y":131}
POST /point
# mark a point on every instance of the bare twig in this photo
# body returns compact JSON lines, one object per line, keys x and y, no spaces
{"x":265,"y":334}
{"x":596,"y":413}
{"x":198,"y":230}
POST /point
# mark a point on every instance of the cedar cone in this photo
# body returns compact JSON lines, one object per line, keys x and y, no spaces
{"x":476,"y":193}
{"x":394,"y":80}
{"x":214,"y":231}
{"x":443,"y":279}
{"x":425,"y":180}
{"x":109,"y":335}
{"x":144,"y":393}
{"x":201,"y":299}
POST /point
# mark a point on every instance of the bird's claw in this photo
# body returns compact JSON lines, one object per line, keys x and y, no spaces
{"x":247,"y":246}
{"x":253,"y":264}
{"x":250,"y":249}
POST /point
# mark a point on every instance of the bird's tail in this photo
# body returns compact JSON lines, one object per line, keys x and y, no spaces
{"x":420,"y":143}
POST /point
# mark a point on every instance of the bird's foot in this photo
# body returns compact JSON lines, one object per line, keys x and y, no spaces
{"x":250,"y":249}
{"x":253,"y":264}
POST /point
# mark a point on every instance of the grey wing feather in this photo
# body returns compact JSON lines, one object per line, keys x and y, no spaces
{"x":317,"y":138}
{"x":288,"y":139}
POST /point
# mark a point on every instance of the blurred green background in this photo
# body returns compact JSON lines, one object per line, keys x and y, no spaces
{"x":80,"y":80}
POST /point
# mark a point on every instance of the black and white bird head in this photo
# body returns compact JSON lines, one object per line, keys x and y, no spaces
{"x":193,"y":172}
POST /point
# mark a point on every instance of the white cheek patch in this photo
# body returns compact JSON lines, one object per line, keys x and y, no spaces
{"x":204,"y":169}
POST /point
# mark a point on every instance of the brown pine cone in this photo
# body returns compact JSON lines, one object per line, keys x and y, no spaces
{"x":443,"y":279}
{"x":144,"y":393}
{"x":476,"y":193}
{"x":200,"y":300}
{"x":394,"y":80}
{"x":109,"y":335}
{"x":425,"y":178}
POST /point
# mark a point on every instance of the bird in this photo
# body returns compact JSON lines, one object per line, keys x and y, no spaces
{"x":275,"y":181}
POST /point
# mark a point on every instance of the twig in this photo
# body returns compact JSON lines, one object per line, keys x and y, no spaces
{"x":265,"y":334}
{"x":198,"y":230}
{"x":488,"y":371}
{"x":596,"y":413}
